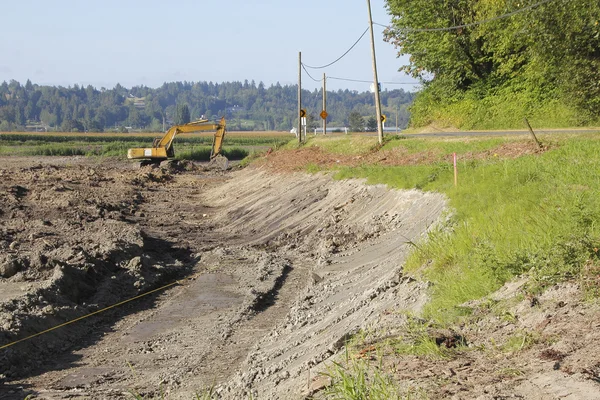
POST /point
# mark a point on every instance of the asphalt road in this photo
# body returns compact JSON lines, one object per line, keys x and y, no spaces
{"x":507,"y":133}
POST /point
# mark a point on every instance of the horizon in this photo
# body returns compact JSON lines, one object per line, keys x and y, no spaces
{"x":257,"y":83}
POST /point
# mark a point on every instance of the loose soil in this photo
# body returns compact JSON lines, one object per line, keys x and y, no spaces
{"x":275,"y":273}
{"x":298,"y":159}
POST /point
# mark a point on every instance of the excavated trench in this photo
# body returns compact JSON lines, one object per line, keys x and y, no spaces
{"x":281,"y":270}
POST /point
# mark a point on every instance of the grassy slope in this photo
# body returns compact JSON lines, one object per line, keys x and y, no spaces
{"x":533,"y":214}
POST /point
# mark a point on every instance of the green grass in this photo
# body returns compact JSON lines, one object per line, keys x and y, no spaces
{"x":446,"y":147}
{"x":536,"y":214}
{"x":503,"y":108}
{"x":359,"y":380}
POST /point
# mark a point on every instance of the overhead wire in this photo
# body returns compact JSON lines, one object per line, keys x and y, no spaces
{"x":340,"y":57}
{"x":450,"y":28}
{"x":309,"y":75}
{"x":371,"y":81}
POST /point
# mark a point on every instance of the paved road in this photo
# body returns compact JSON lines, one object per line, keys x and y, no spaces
{"x":505,"y":133}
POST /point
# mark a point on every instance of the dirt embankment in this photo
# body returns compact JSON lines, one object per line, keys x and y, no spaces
{"x":291,"y":266}
{"x":355,"y":238}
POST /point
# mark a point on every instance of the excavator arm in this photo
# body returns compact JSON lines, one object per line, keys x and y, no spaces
{"x":162,"y":148}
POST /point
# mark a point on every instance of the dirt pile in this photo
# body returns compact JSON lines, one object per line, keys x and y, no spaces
{"x":69,"y":248}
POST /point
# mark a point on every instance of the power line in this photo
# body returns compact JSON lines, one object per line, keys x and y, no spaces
{"x":450,"y":28}
{"x":371,"y":81}
{"x":342,"y":56}
{"x":309,"y":75}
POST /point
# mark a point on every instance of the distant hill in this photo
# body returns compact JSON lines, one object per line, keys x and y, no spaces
{"x":246,"y":105}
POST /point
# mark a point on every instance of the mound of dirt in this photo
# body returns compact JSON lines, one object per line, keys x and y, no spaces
{"x":69,"y":247}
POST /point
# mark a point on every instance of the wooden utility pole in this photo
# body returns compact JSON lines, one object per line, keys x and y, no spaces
{"x":396,"y":118}
{"x":324,"y":104}
{"x":299,"y":96}
{"x":377,"y":101}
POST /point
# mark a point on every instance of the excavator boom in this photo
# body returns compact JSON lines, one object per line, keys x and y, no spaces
{"x":162,"y":148}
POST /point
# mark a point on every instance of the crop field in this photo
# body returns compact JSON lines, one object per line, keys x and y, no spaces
{"x":190,"y":146}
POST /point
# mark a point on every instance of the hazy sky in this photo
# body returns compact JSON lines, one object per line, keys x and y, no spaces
{"x":133,"y":42}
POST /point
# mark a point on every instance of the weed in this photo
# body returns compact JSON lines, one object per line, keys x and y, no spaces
{"x":357,"y":381}
{"x":590,"y":279}
{"x":520,"y":341}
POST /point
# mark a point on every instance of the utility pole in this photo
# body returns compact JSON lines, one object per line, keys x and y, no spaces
{"x":299,"y":96}
{"x":324,"y":104}
{"x":396,"y":118}
{"x":377,"y":101}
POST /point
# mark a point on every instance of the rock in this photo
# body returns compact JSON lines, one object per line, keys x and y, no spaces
{"x":135,"y":264}
{"x":48,"y":310}
{"x":9,"y":267}
{"x":316,"y":278}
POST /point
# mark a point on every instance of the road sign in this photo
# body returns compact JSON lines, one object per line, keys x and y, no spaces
{"x":324,"y":114}
{"x":303,"y":121}
{"x":383,"y":118}
{"x":302,"y":113}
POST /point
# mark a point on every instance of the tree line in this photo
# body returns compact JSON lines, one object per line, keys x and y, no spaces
{"x":501,"y":59}
{"x":246,"y":105}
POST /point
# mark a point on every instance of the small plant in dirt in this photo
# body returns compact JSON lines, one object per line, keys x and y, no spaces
{"x":519,"y":341}
{"x":423,"y":338}
{"x":357,"y":379}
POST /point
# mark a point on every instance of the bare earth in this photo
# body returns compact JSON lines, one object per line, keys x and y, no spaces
{"x":275,"y":272}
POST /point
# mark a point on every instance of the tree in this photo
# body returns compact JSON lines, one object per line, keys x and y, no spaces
{"x":371,"y":124}
{"x":522,"y":51}
{"x":356,"y":122}
{"x":182,"y":115}
{"x":72,"y":125}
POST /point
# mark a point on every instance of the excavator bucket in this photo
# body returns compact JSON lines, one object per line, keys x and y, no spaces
{"x":218,"y":140}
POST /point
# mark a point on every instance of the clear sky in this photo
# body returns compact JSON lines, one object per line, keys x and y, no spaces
{"x":134,"y":42}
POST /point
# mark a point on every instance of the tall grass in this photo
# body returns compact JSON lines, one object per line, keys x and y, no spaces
{"x":535,"y":214}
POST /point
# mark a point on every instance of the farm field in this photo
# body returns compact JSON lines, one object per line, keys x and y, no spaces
{"x":291,"y":278}
{"x":237,"y":145}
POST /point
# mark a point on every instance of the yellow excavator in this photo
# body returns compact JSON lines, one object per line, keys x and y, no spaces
{"x":162,"y":148}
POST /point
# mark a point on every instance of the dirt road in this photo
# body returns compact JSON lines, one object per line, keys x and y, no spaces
{"x":276,"y":271}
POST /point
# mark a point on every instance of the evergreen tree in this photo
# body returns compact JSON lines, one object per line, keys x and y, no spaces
{"x":356,"y":122}
{"x":182,"y":115}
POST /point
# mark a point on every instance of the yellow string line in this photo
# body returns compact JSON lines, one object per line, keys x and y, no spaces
{"x":94,"y":313}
